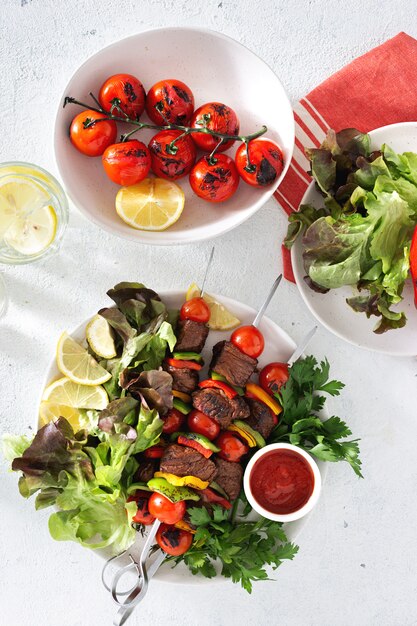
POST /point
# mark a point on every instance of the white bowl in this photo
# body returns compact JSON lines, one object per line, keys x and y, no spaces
{"x":331,"y":308}
{"x":311,"y":502}
{"x":216,"y":68}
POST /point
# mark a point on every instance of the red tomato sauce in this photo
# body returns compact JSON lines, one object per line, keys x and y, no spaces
{"x":282,"y":481}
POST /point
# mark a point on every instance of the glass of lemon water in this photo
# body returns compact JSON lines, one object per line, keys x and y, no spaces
{"x":33,"y":215}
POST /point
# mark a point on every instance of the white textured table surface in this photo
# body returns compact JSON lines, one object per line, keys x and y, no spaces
{"x":357,"y":559}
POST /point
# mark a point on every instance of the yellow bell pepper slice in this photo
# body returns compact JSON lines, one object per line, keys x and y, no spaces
{"x":251,"y":441}
{"x":183,"y":481}
{"x":264,"y":397}
{"x":185,"y":526}
{"x":182,"y":396}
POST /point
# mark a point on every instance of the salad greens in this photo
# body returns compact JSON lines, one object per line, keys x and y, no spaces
{"x":363,"y":233}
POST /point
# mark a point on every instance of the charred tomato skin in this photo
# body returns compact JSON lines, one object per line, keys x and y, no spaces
{"x":128,"y":90}
{"x":127,"y":163}
{"x":222,"y":119}
{"x":173,"y":421}
{"x":273,"y":376}
{"x":265,"y":156}
{"x":142,"y":515}
{"x":214,"y":182}
{"x":170,"y":102}
{"x":172,"y":540}
{"x":93,"y":140}
{"x":167,"y":165}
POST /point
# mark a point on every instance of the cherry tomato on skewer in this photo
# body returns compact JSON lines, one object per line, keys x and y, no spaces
{"x":127,"y":163}
{"x":266,"y":158}
{"x":92,"y":138}
{"x":273,"y":376}
{"x":168,"y":165}
{"x":195,"y":309}
{"x":173,"y":421}
{"x":170,"y":102}
{"x":249,"y":340}
{"x":142,"y":516}
{"x":214,"y":180}
{"x":231,"y":447}
{"x":126,"y":91}
{"x":202,"y":424}
{"x":221,"y":119}
{"x":165,"y":510}
{"x":174,"y":541}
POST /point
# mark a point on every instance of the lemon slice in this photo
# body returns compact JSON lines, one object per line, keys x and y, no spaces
{"x":49,"y":412}
{"x":100,"y":337}
{"x":77,"y":364}
{"x":220,"y":317}
{"x":65,"y":392}
{"x":152,"y":204}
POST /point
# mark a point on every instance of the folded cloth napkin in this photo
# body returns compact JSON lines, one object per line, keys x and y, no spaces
{"x":377,"y":89}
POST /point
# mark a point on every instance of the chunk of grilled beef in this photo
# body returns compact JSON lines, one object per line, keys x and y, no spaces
{"x":215,"y":404}
{"x":231,"y":363}
{"x":261,"y":417}
{"x":146,"y":470}
{"x":184,"y":461}
{"x":191,"y":336}
{"x":183,"y":379}
{"x":229,"y":476}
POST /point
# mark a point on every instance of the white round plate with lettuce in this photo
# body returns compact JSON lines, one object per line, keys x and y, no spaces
{"x":331,"y":308}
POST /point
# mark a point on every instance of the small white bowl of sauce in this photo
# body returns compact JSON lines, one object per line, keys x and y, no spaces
{"x":282,"y":482}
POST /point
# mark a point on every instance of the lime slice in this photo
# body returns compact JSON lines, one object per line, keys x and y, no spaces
{"x":220,"y":317}
{"x":153,"y":204}
{"x":49,"y":412}
{"x":70,"y":394}
{"x":100,"y":337}
{"x":77,"y":364}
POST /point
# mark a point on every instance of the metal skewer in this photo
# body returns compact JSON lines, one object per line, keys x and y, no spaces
{"x":301,"y":346}
{"x":269,"y":297}
{"x":206,"y":272}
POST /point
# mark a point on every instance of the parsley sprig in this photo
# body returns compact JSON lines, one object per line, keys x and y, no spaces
{"x":242,"y":548}
{"x":301,"y":399}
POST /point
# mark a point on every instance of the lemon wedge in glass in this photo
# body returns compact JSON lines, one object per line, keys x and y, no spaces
{"x":220,"y":317}
{"x":67,"y":393}
{"x":100,"y":337}
{"x":152,"y":204}
{"x":77,"y":364}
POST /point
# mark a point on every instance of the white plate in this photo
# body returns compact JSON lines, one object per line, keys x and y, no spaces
{"x":331,"y":308}
{"x":215,"y":67}
{"x":278,"y":347}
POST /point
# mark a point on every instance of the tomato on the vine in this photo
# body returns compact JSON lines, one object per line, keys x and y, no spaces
{"x":142,"y":516}
{"x":217,"y":117}
{"x":202,"y":424}
{"x":170,"y":102}
{"x":173,"y":421}
{"x":90,"y":135}
{"x":231,"y":447}
{"x":165,"y":510}
{"x":273,"y":376}
{"x":127,"y":163}
{"x":249,"y":340}
{"x":127,"y":92}
{"x":214,"y":180}
{"x":195,"y":309}
{"x":174,"y":541}
{"x":175,"y":164}
{"x":266,"y":162}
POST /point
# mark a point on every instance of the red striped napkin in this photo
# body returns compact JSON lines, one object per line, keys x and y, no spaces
{"x":376,"y":89}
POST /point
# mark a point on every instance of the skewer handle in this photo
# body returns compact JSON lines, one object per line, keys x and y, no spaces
{"x":269,"y":297}
{"x":206,"y":272}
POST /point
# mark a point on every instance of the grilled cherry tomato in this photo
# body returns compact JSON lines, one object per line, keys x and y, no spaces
{"x":273,"y":376}
{"x":170,"y":102}
{"x":127,"y":163}
{"x":214,"y":180}
{"x":201,"y":423}
{"x":165,"y":510}
{"x":173,"y":421}
{"x":249,"y":340}
{"x":195,"y":309}
{"x":174,"y":541}
{"x":172,"y":165}
{"x":231,"y":447}
{"x":142,"y":516}
{"x":154,"y":452}
{"x":218,"y":117}
{"x":127,"y":92}
{"x":92,"y":140}
{"x":266,"y":162}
